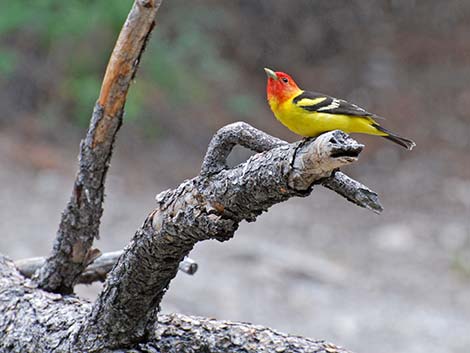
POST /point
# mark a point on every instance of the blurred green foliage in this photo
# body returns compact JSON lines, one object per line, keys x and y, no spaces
{"x":205,"y":58}
{"x":53,"y":19}
{"x":7,"y":62}
{"x":71,"y":41}
{"x":242,"y":105}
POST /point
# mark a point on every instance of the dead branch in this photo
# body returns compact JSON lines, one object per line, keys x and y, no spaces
{"x":228,"y":137}
{"x":206,"y":207}
{"x":247,"y":136}
{"x":96,"y":271}
{"x":33,"y":320}
{"x":80,"y":221}
{"x":353,"y":191}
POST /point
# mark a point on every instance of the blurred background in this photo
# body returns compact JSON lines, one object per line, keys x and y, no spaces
{"x":318,"y":266}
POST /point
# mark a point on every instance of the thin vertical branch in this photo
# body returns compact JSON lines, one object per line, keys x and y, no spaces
{"x":79,"y":225}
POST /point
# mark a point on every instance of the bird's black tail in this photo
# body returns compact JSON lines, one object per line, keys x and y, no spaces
{"x":402,"y":141}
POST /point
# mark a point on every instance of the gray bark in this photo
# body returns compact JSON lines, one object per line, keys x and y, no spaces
{"x":96,"y":271}
{"x":353,"y":191}
{"x":33,"y":320}
{"x":206,"y":207}
{"x":80,"y":221}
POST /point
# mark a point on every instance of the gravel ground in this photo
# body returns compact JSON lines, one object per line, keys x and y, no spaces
{"x":319,"y":267}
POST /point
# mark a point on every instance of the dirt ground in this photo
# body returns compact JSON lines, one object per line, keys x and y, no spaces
{"x":319,"y":266}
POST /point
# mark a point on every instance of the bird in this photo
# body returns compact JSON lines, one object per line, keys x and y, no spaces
{"x":310,"y":114}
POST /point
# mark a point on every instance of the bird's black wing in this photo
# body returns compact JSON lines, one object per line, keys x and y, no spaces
{"x":322,"y":103}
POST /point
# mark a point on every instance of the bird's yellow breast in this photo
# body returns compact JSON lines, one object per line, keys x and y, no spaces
{"x":313,"y":123}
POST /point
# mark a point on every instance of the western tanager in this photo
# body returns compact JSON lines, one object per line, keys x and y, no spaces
{"x":310,"y":114}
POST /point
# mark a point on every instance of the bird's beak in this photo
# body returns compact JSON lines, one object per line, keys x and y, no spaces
{"x":270,"y":73}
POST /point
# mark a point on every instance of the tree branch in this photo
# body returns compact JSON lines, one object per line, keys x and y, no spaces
{"x":33,"y":320}
{"x":228,"y":137}
{"x":353,"y":191}
{"x":96,"y":271}
{"x":206,"y":207}
{"x":80,"y":221}
{"x":245,"y":135}
{"x":181,"y":333}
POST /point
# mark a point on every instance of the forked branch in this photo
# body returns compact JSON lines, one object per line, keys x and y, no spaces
{"x":208,"y":206}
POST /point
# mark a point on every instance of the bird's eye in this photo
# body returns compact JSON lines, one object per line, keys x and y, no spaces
{"x":285,"y":80}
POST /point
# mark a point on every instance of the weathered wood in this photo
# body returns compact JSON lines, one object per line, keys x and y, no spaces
{"x":80,"y":221}
{"x":245,"y":135}
{"x":33,"y":320}
{"x":180,"y":333}
{"x":228,"y":137}
{"x":205,"y":207}
{"x":353,"y":191}
{"x":123,"y":64}
{"x":96,"y":271}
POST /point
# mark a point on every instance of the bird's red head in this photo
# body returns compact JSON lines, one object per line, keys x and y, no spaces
{"x":280,"y":86}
